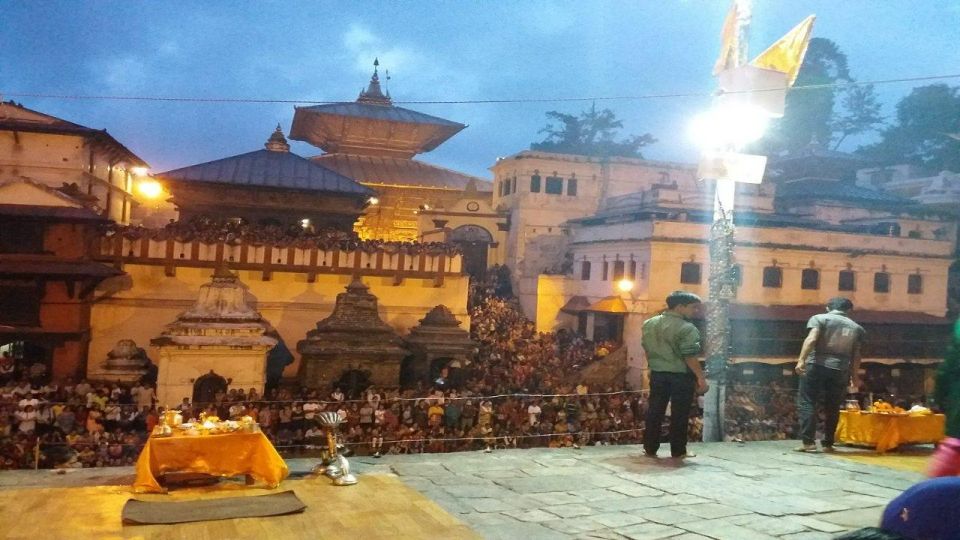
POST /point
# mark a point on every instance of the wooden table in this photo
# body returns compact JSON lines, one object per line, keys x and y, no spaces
{"x":887,"y":431}
{"x":229,"y":454}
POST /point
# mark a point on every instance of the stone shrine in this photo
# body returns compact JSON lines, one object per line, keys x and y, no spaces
{"x":352,"y":346}
{"x":126,"y":362}
{"x":437,"y":343}
{"x":218,"y":342}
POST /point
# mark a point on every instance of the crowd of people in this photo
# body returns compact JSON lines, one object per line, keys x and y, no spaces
{"x":521,"y":390}
{"x":210,"y":230}
{"x":756,"y":412}
{"x":73,"y":424}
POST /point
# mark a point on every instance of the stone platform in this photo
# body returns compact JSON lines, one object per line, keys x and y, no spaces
{"x":758,"y":490}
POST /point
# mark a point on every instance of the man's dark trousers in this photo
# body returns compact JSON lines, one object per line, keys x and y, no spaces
{"x":678,"y":389}
{"x":820,"y":385}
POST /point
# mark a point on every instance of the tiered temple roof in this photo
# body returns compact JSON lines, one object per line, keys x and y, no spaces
{"x":372,"y":125}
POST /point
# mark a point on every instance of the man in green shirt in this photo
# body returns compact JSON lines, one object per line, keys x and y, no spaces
{"x":671,"y":343}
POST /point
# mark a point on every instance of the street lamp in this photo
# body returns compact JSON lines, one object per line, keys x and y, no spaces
{"x":625,"y":285}
{"x":750,"y":95}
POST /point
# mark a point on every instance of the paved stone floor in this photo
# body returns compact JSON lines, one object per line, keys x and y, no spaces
{"x":758,"y":490}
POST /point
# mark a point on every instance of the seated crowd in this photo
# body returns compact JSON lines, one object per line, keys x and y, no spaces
{"x":209,"y":230}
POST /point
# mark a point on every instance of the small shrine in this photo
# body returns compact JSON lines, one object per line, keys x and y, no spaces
{"x":126,"y":362}
{"x":437,"y":343}
{"x":353,"y":346}
{"x":219,"y":341}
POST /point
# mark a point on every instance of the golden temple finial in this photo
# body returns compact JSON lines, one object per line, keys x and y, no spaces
{"x":373,"y":94}
{"x":277,"y":142}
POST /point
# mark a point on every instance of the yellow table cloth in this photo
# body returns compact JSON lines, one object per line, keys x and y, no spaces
{"x":887,"y":431}
{"x":228,"y":454}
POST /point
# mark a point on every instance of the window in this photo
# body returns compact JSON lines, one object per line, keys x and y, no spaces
{"x":554,"y":185}
{"x":773,"y":277}
{"x":18,"y":237}
{"x":847,"y":281}
{"x":535,"y":183}
{"x":810,"y":279}
{"x":513,"y":185}
{"x":690,"y":272}
{"x":20,"y":302}
{"x":881,"y":282}
{"x":572,"y":187}
{"x":500,"y":188}
{"x":736,"y":274}
{"x":914,"y":234}
{"x":606,"y":271}
{"x":585,"y":271}
{"x":618,"y":267}
{"x":914,"y":284}
{"x":632,"y":270}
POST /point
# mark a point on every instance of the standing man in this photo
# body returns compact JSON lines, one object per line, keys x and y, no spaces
{"x":829,"y":361}
{"x":671,"y":343}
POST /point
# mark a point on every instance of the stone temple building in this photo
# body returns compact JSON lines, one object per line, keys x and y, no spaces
{"x":374,"y":142}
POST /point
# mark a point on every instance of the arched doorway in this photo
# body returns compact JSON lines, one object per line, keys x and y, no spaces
{"x":206,"y":388}
{"x":473,"y":241}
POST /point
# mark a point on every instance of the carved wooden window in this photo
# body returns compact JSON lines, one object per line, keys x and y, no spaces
{"x":847,"y":281}
{"x":632,"y":271}
{"x":736,"y":274}
{"x":773,"y":277}
{"x":810,"y":279}
{"x":690,"y":273}
{"x":618,"y":268}
{"x":572,"y":187}
{"x":881,"y":282}
{"x":21,"y":237}
{"x":585,"y":271}
{"x":606,"y":271}
{"x":914,"y":284}
{"x":535,"y":183}
{"x":554,"y":185}
{"x":20,"y":302}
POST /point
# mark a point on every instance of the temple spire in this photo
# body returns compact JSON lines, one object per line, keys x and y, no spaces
{"x":277,"y":142}
{"x":373,"y":94}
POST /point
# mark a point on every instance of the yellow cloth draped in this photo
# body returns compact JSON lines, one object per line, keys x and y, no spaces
{"x":229,"y":454}
{"x":887,"y":431}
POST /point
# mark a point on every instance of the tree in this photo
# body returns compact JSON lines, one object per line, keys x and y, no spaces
{"x":861,"y":113}
{"x":592,"y":133}
{"x":926,"y":131}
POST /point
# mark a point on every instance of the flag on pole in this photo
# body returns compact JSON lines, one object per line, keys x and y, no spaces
{"x":729,"y":42}
{"x":786,"y":55}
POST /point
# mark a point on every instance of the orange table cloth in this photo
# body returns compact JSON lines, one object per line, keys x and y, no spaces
{"x":887,"y":431}
{"x":228,"y":454}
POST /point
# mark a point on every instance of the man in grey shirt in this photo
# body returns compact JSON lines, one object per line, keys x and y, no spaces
{"x":829,"y":361}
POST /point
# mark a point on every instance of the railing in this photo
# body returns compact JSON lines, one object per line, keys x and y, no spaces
{"x":387,"y":260}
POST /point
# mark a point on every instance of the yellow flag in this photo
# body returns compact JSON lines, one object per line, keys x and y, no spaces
{"x":786,"y":55}
{"x":729,"y":42}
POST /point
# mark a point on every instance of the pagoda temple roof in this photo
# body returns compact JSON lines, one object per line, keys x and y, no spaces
{"x":372,"y":125}
{"x":389,"y":113}
{"x":274,"y":167}
{"x":397,"y":171}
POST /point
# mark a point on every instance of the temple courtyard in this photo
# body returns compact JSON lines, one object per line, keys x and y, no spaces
{"x":756,"y":490}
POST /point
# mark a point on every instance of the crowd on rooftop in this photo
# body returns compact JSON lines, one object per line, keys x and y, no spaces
{"x":236,"y":231}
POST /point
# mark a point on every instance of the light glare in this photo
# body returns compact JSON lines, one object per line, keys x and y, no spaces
{"x":735,"y":125}
{"x":150,"y":189}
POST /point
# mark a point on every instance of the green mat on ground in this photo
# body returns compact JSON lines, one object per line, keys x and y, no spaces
{"x":139,"y":512}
